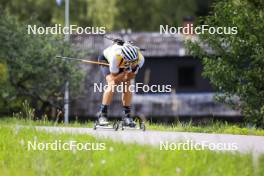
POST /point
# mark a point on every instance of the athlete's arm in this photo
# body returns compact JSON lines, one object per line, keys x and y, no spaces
{"x":141,"y":60}
{"x":116,"y":78}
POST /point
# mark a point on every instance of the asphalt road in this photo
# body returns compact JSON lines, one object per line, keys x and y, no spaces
{"x":168,"y":140}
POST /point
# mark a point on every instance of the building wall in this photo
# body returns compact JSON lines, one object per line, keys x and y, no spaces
{"x":183,"y":73}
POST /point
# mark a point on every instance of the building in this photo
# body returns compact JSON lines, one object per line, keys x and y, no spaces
{"x":166,"y":63}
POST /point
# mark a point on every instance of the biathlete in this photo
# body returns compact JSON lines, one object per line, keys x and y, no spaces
{"x":125,"y":60}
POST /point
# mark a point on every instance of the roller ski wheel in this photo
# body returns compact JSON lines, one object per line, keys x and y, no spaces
{"x":141,"y":122}
{"x":122,"y":124}
{"x":116,"y":126}
{"x":95,"y":125}
{"x":142,"y":126}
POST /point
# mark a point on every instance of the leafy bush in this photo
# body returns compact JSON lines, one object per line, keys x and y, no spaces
{"x":236,"y":65}
{"x":33,"y":72}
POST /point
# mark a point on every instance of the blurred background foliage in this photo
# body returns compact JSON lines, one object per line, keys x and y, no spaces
{"x":236,"y":65}
{"x":29,"y":70}
{"x":138,"y":15}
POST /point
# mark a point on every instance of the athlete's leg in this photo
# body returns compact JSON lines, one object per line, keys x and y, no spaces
{"x":126,"y":101}
{"x":109,"y":92}
{"x":127,"y":94}
{"x":107,"y":95}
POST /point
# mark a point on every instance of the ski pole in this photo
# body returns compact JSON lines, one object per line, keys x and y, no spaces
{"x":83,"y":60}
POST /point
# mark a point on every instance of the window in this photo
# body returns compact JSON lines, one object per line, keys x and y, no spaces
{"x":186,"y":77}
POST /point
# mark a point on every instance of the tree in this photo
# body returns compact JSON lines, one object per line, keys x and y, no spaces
{"x":236,"y":66}
{"x":102,"y":13}
{"x":32,"y":72}
{"x":148,"y":15}
{"x":39,"y":10}
{"x":137,"y":15}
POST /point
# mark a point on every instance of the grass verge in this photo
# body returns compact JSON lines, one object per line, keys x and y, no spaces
{"x":217,"y":127}
{"x":116,"y":159}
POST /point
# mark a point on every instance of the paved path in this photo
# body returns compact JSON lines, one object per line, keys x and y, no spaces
{"x":242,"y":143}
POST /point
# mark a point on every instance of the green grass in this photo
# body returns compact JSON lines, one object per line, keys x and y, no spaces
{"x":117,"y":159}
{"x":217,"y":127}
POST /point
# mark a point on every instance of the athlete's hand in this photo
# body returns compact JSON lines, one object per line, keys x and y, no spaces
{"x":135,"y":69}
{"x":128,"y":69}
{"x":129,"y":76}
{"x":121,"y":77}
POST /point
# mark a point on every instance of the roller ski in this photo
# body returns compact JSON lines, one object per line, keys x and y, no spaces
{"x":102,"y":122}
{"x":129,"y":123}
